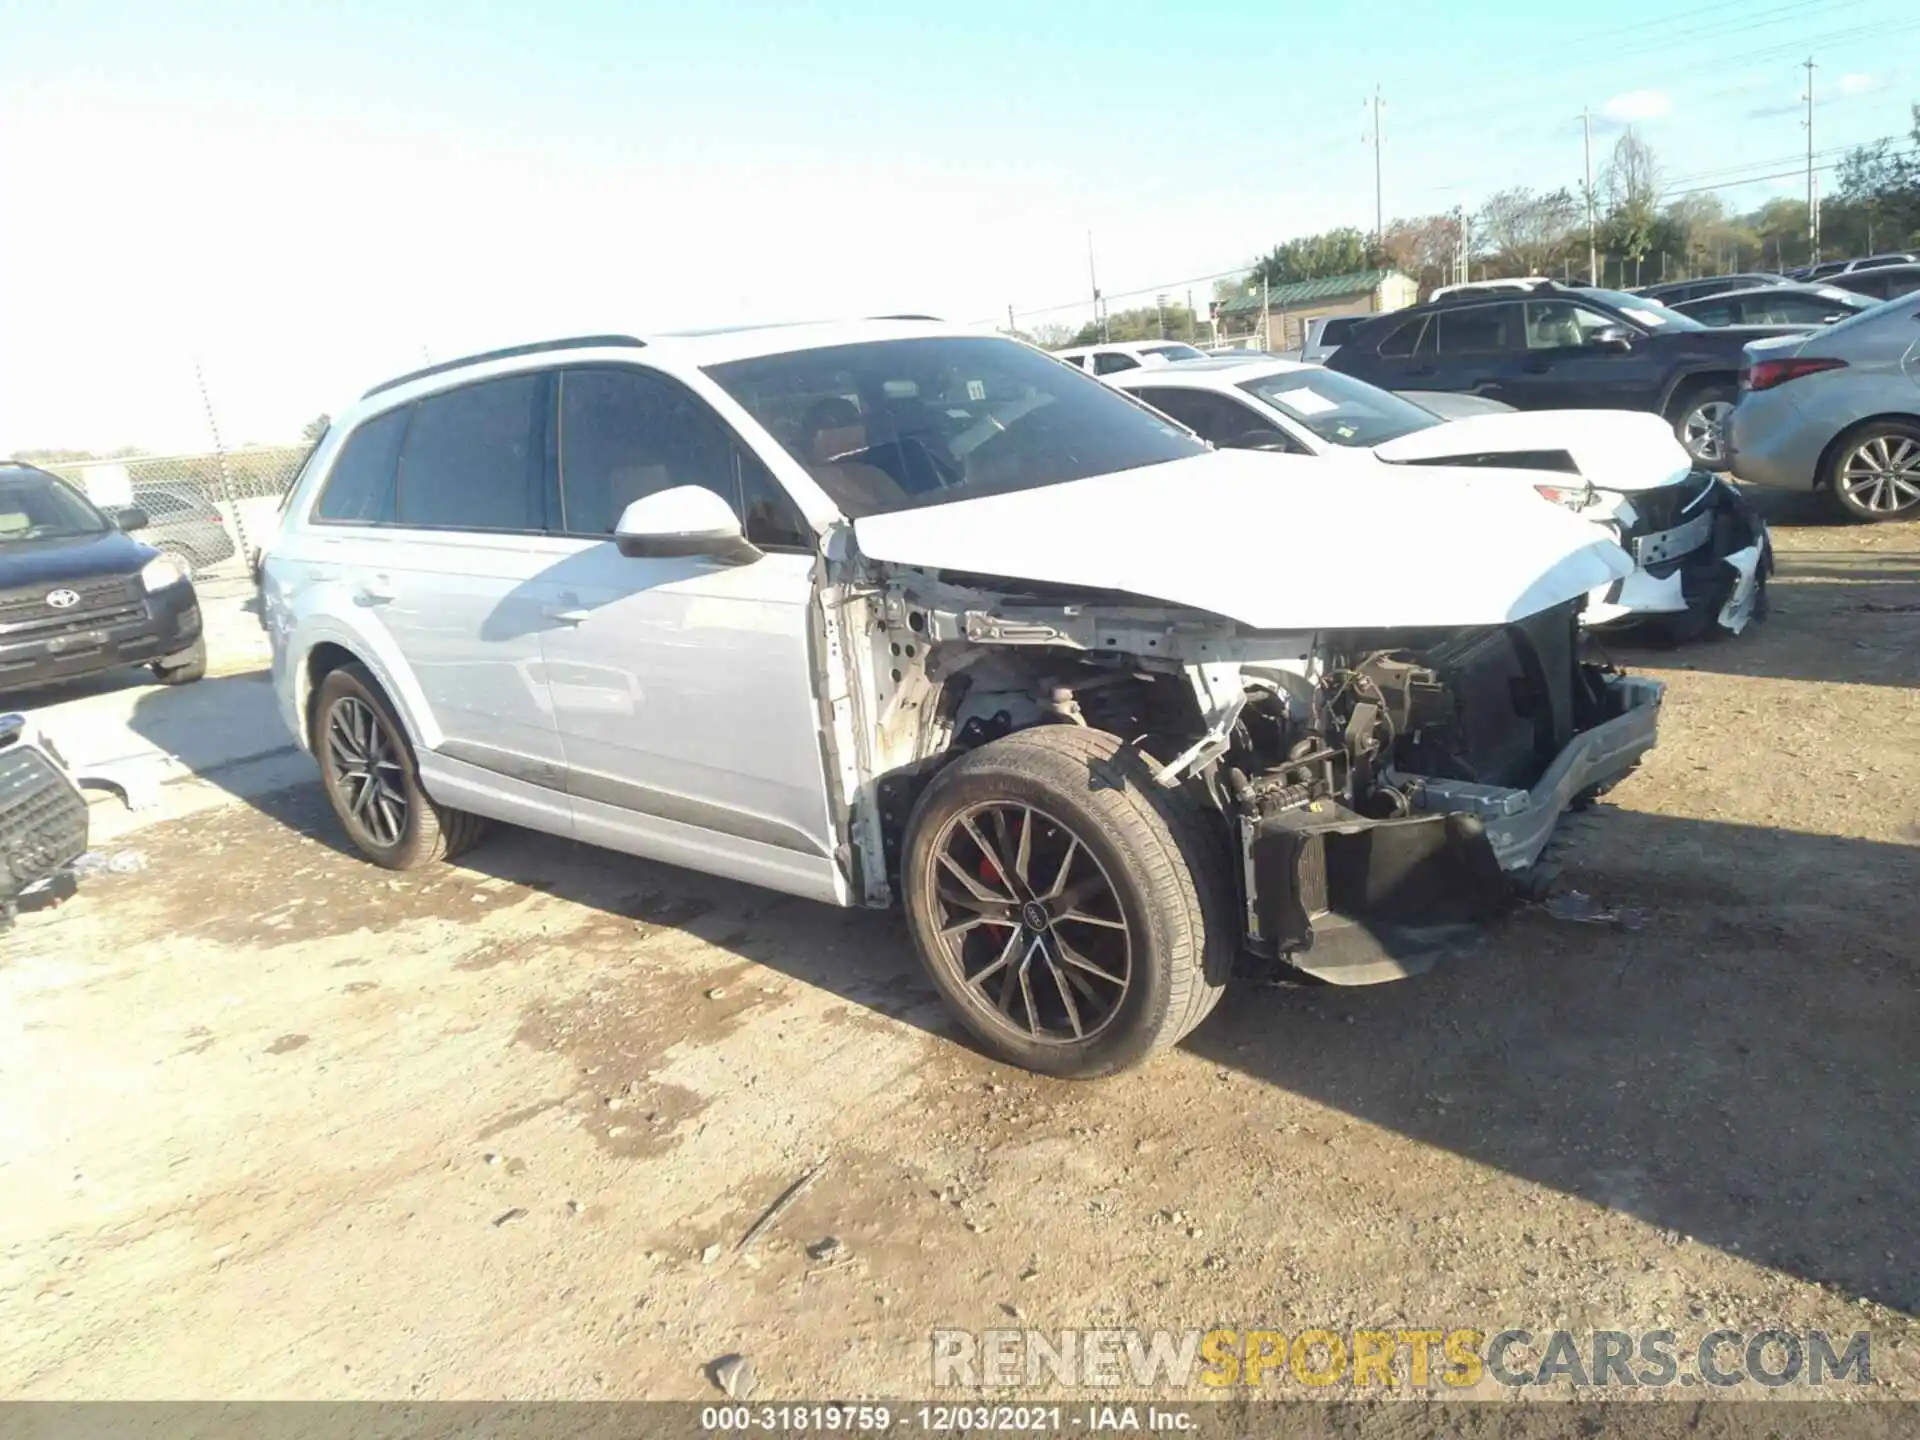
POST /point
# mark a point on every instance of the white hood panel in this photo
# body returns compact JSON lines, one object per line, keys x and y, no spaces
{"x":1275,"y":542}
{"x":1625,"y":450}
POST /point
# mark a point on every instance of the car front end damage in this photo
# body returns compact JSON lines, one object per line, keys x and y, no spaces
{"x":1381,"y":792}
{"x":1702,"y":557}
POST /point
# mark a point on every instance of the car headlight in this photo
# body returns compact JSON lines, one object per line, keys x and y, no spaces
{"x":160,"y":572}
{"x":1572,"y":497}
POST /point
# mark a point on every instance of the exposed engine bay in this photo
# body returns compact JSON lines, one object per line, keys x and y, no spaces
{"x":1378,"y":790}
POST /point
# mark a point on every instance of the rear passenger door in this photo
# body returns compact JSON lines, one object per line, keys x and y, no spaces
{"x":1477,"y":349}
{"x":685,"y":688}
{"x":443,"y":548}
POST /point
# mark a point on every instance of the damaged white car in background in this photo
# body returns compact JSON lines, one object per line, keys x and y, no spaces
{"x":1702,"y":555}
{"x":891,"y":613}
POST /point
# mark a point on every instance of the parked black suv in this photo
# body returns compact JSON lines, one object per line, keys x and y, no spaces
{"x":78,"y":594}
{"x":1553,"y":347}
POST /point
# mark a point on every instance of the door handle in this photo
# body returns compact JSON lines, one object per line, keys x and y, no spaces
{"x":1537,"y":367}
{"x":566,"y":615}
{"x":375,"y":590}
{"x":1421,"y":370}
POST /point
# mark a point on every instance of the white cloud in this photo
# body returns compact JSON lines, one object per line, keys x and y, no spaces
{"x":1860,"y":84}
{"x":1637,"y":105}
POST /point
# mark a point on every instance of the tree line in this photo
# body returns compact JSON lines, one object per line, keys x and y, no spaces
{"x":1642,"y":233}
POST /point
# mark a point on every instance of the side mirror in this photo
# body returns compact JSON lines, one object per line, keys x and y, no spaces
{"x":1612,"y":337}
{"x":686,"y":520}
{"x":1270,"y":440}
{"x":131,"y":517}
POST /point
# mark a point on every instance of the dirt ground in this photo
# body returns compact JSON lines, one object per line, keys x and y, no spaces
{"x":277,"y":1124}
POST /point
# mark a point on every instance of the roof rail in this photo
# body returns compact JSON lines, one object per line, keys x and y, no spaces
{"x":934,"y":318}
{"x":575,"y":342}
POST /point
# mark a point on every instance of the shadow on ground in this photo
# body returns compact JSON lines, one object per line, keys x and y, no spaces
{"x":1743,"y":1068}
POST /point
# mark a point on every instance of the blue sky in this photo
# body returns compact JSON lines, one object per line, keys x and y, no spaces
{"x":305,"y":197}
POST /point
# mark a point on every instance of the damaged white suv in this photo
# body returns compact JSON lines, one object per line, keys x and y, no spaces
{"x":891,"y":612}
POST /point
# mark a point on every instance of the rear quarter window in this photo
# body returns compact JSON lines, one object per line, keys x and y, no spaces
{"x":359,"y":488}
{"x":1404,"y":339}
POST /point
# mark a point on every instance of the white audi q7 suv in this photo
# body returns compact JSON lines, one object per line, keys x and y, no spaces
{"x":892,"y":612}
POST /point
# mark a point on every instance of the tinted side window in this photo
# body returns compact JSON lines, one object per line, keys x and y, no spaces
{"x":767,"y":513}
{"x":1404,"y":340}
{"x":471,"y":460}
{"x":626,"y":434}
{"x":1896,"y":285}
{"x":1480,"y":330}
{"x":359,"y":489}
{"x":1109,"y":363}
{"x":1718,"y":312}
{"x":1211,"y":417}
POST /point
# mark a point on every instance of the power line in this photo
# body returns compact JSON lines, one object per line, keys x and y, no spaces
{"x":1813,"y":203}
{"x":1430,"y":121}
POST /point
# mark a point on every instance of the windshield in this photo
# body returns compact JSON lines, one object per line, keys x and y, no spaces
{"x":1340,"y":409}
{"x":1334,"y":331}
{"x":1645,"y":311}
{"x":892,"y":424}
{"x":37,"y":506}
{"x":1174,"y":352}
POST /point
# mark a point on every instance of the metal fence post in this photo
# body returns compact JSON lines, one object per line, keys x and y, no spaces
{"x":226,"y":476}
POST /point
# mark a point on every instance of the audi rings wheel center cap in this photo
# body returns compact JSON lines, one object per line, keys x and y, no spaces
{"x":1034,"y":915}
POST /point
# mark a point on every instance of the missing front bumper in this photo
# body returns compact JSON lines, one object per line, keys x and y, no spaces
{"x":1708,"y":561}
{"x":1356,"y":901}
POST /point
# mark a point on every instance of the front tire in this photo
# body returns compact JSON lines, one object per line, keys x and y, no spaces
{"x":185,"y":668}
{"x":1067,"y":907}
{"x":1875,"y":472}
{"x":372,"y":779}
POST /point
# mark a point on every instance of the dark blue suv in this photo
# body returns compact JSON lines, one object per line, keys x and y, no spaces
{"x":1559,"y":347}
{"x":79,"y":595}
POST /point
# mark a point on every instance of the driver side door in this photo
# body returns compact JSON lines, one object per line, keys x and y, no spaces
{"x":1562,"y":368}
{"x":684,"y":687}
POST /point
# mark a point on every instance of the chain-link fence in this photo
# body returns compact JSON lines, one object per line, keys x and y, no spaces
{"x":211,"y":510}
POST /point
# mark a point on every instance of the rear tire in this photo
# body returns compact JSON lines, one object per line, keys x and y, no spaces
{"x":1699,"y":419}
{"x":372,"y":779}
{"x":1874,"y":474}
{"x":1071,"y":911}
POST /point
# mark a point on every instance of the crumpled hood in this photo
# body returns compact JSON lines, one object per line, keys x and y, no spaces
{"x":1275,"y":542}
{"x":1623,"y":450}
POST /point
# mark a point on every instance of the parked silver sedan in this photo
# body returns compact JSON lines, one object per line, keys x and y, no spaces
{"x":1837,"y":410}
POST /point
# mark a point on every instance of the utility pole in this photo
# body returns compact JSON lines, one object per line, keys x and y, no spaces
{"x":1813,"y":197}
{"x":1593,"y":249}
{"x":1379,"y":209}
{"x":1011,"y":327}
{"x":1099,"y":316}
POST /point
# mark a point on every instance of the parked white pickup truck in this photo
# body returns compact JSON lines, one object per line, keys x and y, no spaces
{"x":891,"y":613}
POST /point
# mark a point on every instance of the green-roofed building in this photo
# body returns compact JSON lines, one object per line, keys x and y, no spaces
{"x":1287,"y":308}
